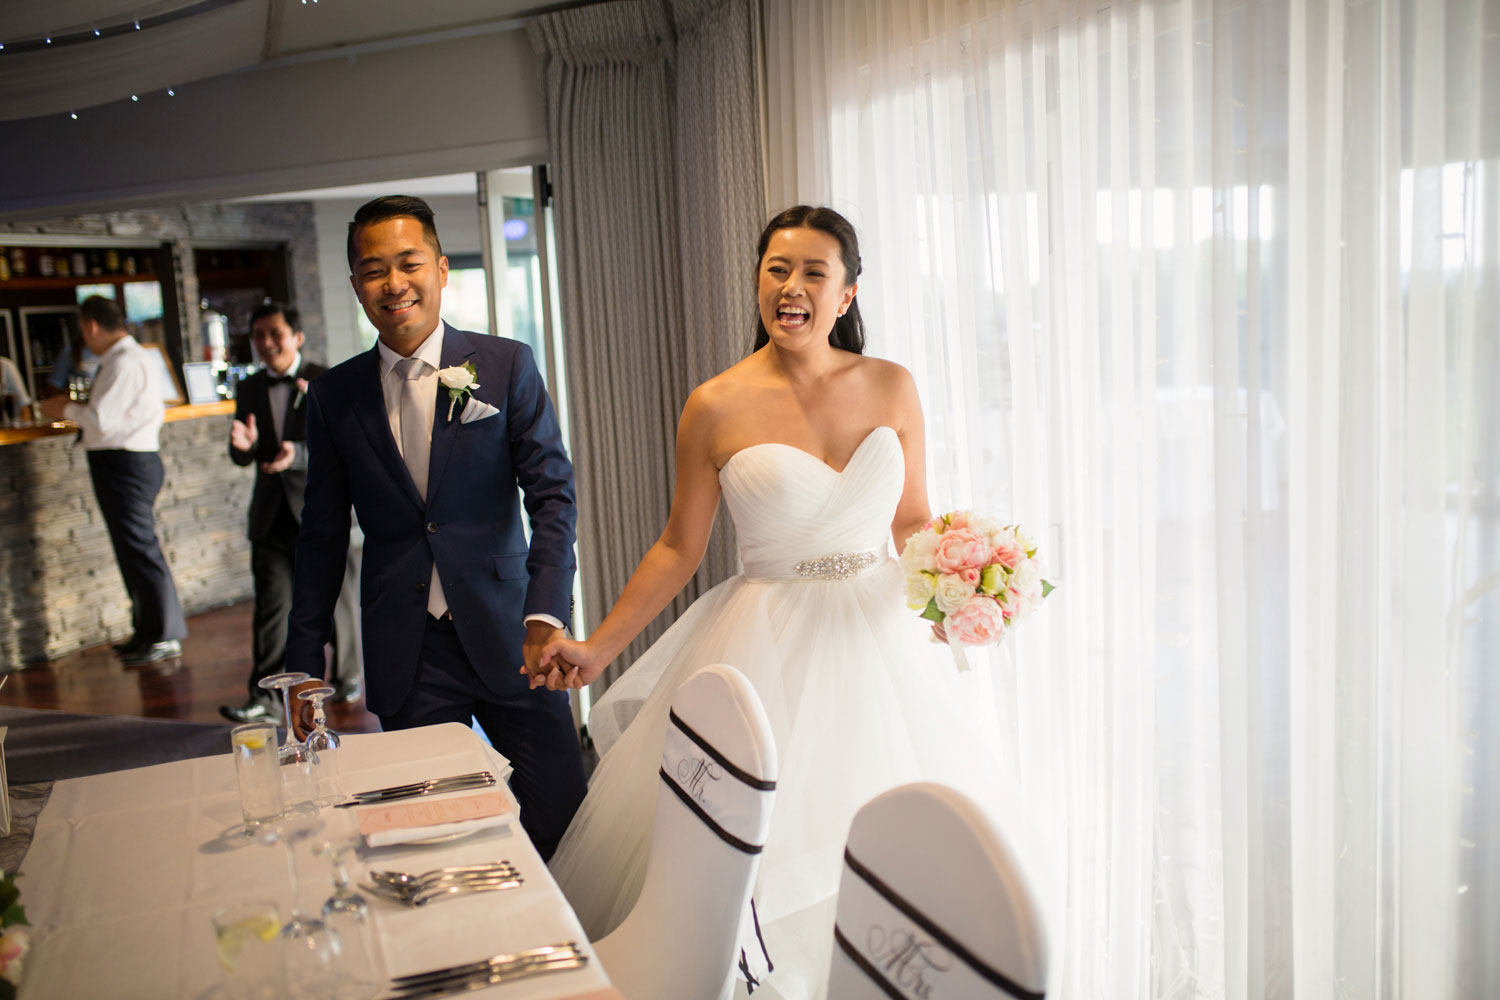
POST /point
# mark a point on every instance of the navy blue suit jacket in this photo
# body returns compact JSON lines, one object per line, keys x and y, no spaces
{"x":470,"y":524}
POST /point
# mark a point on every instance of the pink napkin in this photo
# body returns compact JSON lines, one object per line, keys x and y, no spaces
{"x":403,"y":821}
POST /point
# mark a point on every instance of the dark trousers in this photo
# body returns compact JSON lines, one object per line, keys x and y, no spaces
{"x":533,"y":729}
{"x":272,"y":557}
{"x":126,"y":484}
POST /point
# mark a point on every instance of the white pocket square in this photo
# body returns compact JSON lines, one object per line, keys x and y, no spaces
{"x":476,"y":409}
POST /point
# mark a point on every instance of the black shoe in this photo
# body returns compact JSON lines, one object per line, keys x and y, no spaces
{"x":128,"y":646}
{"x":154,"y":653}
{"x":348,"y":694}
{"x":251,"y":711}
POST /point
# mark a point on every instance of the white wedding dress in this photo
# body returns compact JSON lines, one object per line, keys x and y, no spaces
{"x":858,"y":697}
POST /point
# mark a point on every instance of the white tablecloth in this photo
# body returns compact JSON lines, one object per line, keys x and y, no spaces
{"x":127,"y":869}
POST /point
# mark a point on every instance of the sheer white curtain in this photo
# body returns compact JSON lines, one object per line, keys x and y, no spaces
{"x":1205,"y":295}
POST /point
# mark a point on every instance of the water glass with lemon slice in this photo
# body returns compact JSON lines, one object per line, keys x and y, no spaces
{"x":257,"y":768}
{"x":251,"y":952}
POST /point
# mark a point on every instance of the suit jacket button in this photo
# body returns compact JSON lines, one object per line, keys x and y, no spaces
{"x":431,"y":528}
{"x":421,"y":588}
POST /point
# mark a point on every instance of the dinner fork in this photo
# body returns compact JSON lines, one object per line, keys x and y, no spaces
{"x":450,"y":885}
{"x":407,"y":881}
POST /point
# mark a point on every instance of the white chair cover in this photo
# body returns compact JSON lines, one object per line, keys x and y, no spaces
{"x":934,"y":903}
{"x":713,"y":809}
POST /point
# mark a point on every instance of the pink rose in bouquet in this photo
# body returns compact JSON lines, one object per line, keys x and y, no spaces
{"x":972,"y":575}
{"x":962,"y":548}
{"x":977,"y":622}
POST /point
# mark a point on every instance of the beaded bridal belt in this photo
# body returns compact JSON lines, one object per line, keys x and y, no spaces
{"x":833,"y":566}
{"x":838,"y":566}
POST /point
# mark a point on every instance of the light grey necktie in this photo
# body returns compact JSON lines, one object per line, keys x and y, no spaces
{"x":416,"y":440}
{"x":416,"y":444}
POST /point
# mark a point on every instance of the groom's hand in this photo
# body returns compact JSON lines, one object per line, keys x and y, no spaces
{"x":538,"y":635}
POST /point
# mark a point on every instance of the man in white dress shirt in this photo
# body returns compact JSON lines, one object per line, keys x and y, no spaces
{"x":120,"y":428}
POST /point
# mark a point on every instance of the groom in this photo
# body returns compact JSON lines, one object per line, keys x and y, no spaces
{"x":453,"y":600}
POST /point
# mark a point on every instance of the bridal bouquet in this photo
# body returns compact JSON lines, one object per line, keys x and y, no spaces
{"x":13,"y":937}
{"x":972,"y":575}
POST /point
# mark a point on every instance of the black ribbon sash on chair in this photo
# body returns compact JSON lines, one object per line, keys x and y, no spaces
{"x":896,"y":956}
{"x":694,"y":770}
{"x":735,"y":811}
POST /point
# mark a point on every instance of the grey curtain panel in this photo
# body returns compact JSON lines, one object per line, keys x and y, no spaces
{"x":653,"y":126}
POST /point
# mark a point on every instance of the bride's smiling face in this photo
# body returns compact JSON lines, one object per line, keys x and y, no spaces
{"x":801,"y":287}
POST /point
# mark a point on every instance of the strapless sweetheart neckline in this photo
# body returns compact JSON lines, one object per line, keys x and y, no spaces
{"x":803,"y":451}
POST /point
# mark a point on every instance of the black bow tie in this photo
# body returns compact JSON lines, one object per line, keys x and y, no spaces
{"x":280,"y":379}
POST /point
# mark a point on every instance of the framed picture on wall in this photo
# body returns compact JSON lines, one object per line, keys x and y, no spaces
{"x":171,"y":389}
{"x":201,"y":382}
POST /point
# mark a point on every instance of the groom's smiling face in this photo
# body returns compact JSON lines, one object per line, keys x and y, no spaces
{"x":399,"y":279}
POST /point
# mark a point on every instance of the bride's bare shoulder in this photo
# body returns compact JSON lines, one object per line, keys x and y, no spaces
{"x":886,"y":377}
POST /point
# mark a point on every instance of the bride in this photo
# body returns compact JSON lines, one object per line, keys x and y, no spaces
{"x":818,"y":452}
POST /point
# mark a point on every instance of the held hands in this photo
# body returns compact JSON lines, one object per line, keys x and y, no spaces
{"x":561,"y":663}
{"x":283,"y":459}
{"x":539,"y":636}
{"x":243,"y":435}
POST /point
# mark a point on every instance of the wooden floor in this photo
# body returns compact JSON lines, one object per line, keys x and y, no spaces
{"x":212,"y":671}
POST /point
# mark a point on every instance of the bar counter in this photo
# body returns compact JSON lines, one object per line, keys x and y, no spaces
{"x":60,"y":590}
{"x":33,"y":432}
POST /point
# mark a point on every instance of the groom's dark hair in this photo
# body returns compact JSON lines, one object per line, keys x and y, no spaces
{"x":393,"y":206}
{"x":848,"y":331}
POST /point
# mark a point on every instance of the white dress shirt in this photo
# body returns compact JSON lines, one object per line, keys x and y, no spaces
{"x":125,"y":409}
{"x":279,"y":392}
{"x":431,"y":354}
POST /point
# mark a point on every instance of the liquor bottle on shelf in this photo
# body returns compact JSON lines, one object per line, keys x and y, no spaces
{"x":96,"y":263}
{"x":45,"y":265}
{"x":80,"y":265}
{"x":18,"y":261}
{"x":63,"y":265}
{"x":112,"y":261}
{"x":4,"y":264}
{"x":130,"y":263}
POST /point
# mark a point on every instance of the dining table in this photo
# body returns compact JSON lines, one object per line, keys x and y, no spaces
{"x":126,"y":870}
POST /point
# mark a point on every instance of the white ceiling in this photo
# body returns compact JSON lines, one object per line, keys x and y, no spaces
{"x":207,"y":38}
{"x":292,"y":25}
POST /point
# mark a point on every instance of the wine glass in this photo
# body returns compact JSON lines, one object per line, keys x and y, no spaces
{"x":347,"y":914}
{"x":311,"y":947}
{"x":299,"y":786}
{"x":323,"y":743}
{"x":284,"y":682}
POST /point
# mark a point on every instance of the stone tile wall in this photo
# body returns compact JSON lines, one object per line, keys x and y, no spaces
{"x":60,"y":589}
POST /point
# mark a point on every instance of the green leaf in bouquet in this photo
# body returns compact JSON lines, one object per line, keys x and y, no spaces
{"x":1047,"y":588}
{"x":14,"y":914}
{"x":8,"y":895}
{"x":931,"y":612}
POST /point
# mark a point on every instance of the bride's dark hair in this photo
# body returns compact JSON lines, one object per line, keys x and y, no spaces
{"x":848,"y":332}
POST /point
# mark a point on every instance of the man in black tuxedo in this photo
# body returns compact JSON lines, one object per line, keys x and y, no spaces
{"x":270,"y":429}
{"x":454,"y":598}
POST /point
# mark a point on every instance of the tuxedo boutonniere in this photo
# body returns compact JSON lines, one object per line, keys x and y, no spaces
{"x":301,"y":393}
{"x":460,"y":381}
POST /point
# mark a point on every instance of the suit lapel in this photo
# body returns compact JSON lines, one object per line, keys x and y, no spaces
{"x":456,"y":350}
{"x":369,"y":410}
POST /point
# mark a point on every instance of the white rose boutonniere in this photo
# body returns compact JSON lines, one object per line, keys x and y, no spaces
{"x":460,"y":381}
